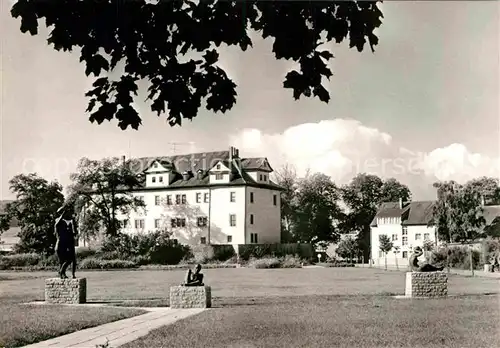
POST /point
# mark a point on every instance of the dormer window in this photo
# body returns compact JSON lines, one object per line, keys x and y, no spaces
{"x":219,"y":176}
{"x":153,"y":179}
{"x":217,"y":166}
{"x":160,"y":179}
{"x":155,"y":165}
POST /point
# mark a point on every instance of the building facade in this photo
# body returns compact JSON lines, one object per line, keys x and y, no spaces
{"x":207,"y":198}
{"x":407,"y":225}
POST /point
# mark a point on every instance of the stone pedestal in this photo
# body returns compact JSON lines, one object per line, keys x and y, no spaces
{"x":190,"y":297}
{"x":426,"y":284}
{"x":66,"y":291}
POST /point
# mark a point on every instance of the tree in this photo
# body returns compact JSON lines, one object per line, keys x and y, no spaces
{"x":362,"y":196}
{"x":385,"y":246}
{"x":347,"y":247}
{"x":393,"y":190}
{"x":286,"y":177}
{"x":489,"y":188}
{"x":396,"y":252}
{"x":316,"y":203}
{"x":151,"y":38}
{"x":101,"y":189}
{"x":458,"y":213}
{"x":35,"y":209}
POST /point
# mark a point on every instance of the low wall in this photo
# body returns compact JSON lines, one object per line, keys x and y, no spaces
{"x":190,"y":297}
{"x":66,"y":291}
{"x":426,"y":284}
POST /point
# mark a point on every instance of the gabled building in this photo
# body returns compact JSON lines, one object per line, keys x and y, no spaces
{"x":207,"y":198}
{"x":407,"y":225}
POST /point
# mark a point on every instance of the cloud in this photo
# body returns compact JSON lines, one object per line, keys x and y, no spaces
{"x":343,"y":148}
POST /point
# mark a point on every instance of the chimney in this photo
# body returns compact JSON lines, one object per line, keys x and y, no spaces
{"x":123,"y":159}
{"x":400,"y":203}
{"x":199,"y":174}
{"x":186,"y":175}
{"x":231,"y":153}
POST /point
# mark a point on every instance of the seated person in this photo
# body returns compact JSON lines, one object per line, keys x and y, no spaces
{"x":194,"y":278}
{"x":426,"y":267}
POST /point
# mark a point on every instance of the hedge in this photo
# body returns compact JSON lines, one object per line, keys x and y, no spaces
{"x":301,"y":251}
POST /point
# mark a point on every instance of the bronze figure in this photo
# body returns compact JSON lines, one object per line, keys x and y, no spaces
{"x":65,"y":231}
{"x":426,"y":267}
{"x":194,"y":278}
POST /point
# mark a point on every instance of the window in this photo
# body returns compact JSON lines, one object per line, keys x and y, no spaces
{"x":405,"y":230}
{"x":198,"y":197}
{"x":160,"y":179}
{"x":232,"y":220}
{"x":394,"y":237}
{"x":265,"y":177}
{"x":177,"y":199}
{"x":203,"y":240}
{"x":275,"y":200}
{"x":251,"y":197}
{"x":155,"y":165}
{"x":219,"y":176}
{"x":157,"y":223}
{"x":260,"y":177}
{"x":178,"y":222}
{"x":217,"y":166}
{"x":251,"y":219}
{"x":418,"y":236}
{"x":405,"y":254}
{"x":206,"y":198}
{"x":405,"y":240}
{"x":183,"y":199}
{"x":232,"y":197}
{"x":153,"y":179}
{"x":139,"y":224}
{"x":125,"y":223}
{"x":253,"y":238}
{"x":229,"y":239}
{"x":157,"y":200}
{"x":426,"y":236}
{"x":202,"y":221}
{"x":169,"y":199}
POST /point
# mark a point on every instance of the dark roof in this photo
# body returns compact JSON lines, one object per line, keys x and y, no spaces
{"x":412,"y":213}
{"x":204,"y":161}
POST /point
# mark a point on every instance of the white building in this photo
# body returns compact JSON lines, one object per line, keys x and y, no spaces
{"x":207,"y":198}
{"x":406,"y":224}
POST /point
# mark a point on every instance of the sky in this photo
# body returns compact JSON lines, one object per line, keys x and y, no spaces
{"x":423,"y":107}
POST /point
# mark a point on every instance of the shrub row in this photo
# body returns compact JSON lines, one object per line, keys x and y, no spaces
{"x":276,"y":262}
{"x":457,"y":257}
{"x":259,"y":251}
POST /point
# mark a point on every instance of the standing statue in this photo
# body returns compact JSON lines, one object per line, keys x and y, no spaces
{"x":194,"y":278}
{"x":65,"y":231}
{"x":426,"y":267}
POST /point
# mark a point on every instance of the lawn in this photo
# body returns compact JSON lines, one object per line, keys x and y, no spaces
{"x":296,"y":307}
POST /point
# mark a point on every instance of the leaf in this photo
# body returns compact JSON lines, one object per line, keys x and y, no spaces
{"x":321,"y":93}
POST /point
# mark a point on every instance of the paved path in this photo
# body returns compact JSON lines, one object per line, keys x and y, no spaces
{"x":118,"y":332}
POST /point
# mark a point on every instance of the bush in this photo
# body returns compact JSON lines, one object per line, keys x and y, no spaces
{"x":489,"y":248}
{"x":95,"y":263}
{"x":85,"y":252}
{"x":290,"y":261}
{"x":19,"y":260}
{"x":248,"y":251}
{"x":265,"y":262}
{"x":459,"y":257}
{"x":157,"y":247}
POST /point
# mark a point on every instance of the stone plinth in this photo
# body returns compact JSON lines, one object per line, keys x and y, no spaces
{"x":190,"y":297}
{"x":66,"y":291}
{"x":426,"y":284}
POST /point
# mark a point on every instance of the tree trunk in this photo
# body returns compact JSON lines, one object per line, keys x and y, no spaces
{"x":471,"y":260}
{"x":396,"y":258}
{"x":386,"y":261}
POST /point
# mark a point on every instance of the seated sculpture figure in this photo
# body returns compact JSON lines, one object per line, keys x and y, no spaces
{"x":194,"y":278}
{"x":495,"y":261}
{"x":426,"y":267}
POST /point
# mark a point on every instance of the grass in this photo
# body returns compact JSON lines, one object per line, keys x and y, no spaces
{"x":25,"y":324}
{"x":337,"y":321}
{"x":270,"y":307}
